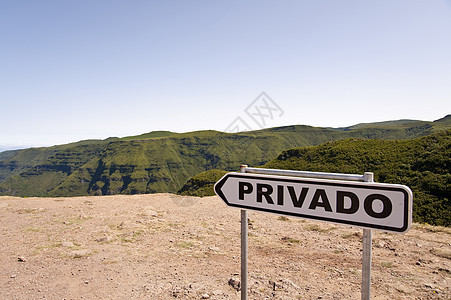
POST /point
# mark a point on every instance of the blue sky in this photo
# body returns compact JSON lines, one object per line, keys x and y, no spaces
{"x":72,"y":70}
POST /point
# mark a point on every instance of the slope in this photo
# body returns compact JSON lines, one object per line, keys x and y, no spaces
{"x":423,"y":164}
{"x":159,"y":163}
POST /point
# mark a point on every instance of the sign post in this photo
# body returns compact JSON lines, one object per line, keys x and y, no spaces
{"x":348,"y":199}
{"x":244,"y":236}
{"x":367,"y":241}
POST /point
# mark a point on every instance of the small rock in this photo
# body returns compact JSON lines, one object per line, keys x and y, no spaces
{"x":21,"y":259}
{"x":13,"y":276}
{"x":290,"y":283}
{"x":80,"y":253}
{"x":151,"y":213}
{"x":104,"y":239}
{"x":205,"y":296}
{"x":235,"y":283}
{"x":86,"y":281}
{"x":195,"y":286}
{"x":275,"y":286}
{"x":380,"y":244}
{"x":216,"y":249}
{"x":67,"y":244}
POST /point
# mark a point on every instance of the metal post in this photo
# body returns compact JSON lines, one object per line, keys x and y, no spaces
{"x":366,"y":254}
{"x":244,"y":229}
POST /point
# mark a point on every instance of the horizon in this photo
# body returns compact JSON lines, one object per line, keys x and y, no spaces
{"x":92,"y":70}
{"x":6,"y":147}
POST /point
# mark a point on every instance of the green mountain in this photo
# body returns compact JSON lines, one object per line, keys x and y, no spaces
{"x":150,"y":135}
{"x":202,"y":184}
{"x":17,"y":161}
{"x":164,"y":161}
{"x":423,"y":164}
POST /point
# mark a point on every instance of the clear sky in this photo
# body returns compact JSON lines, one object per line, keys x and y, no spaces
{"x":73,"y":70}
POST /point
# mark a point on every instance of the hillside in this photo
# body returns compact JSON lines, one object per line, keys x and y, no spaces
{"x":17,"y":161}
{"x":423,"y":164}
{"x":149,"y":135}
{"x":163,"y":161}
{"x":201,"y":185}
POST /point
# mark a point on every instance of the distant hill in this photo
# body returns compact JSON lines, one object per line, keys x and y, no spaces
{"x":15,"y":162}
{"x":423,"y":164}
{"x":440,"y":124}
{"x":163,"y":161}
{"x":149,"y":135}
{"x":6,"y":148}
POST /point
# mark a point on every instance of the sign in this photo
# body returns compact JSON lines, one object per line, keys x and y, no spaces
{"x":380,"y":206}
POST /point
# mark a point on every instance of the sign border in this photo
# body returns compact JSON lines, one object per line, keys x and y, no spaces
{"x":378,"y":186}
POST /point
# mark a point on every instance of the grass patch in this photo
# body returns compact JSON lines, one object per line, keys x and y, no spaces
{"x":282,"y":218}
{"x":185,"y":245}
{"x":176,"y":225}
{"x":290,"y":240}
{"x":126,"y":239}
{"x":441,"y":253}
{"x":39,"y":249}
{"x":131,"y":237}
{"x":387,"y":264}
{"x":33,"y":229}
{"x":80,"y":253}
{"x":349,"y":236}
{"x":431,"y":228}
{"x":29,"y":210}
{"x":317,"y":228}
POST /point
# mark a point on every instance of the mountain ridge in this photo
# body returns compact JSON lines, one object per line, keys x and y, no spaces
{"x":423,"y":164}
{"x":163,"y":161}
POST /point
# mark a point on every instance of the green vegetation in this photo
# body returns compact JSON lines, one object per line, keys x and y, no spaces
{"x":423,"y":164}
{"x":202,"y":184}
{"x":33,"y":172}
{"x":150,"y":135}
{"x":17,"y":161}
{"x":290,"y":240}
{"x":163,"y":161}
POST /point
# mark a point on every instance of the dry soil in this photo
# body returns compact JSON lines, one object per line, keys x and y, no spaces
{"x":163,"y":246}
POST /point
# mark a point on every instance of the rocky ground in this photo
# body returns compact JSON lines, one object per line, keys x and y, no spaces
{"x":164,"y":246}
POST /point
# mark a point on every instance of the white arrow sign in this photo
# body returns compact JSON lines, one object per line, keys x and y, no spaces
{"x":381,"y":206}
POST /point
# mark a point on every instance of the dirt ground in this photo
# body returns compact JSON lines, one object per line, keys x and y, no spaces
{"x":164,"y":246}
